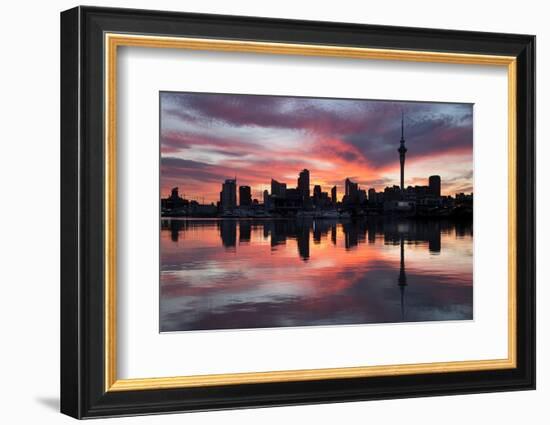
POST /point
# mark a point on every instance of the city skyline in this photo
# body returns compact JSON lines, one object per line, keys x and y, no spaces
{"x":209,"y":138}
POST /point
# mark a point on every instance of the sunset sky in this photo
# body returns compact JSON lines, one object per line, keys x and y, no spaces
{"x":207,"y":138}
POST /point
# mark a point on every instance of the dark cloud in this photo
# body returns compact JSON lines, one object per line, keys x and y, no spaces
{"x":372,"y":127}
{"x":174,"y":168}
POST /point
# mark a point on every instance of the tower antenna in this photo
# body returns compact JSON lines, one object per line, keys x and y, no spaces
{"x":402,"y":151}
{"x":402,"y":126}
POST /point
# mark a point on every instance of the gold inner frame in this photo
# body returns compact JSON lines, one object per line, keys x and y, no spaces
{"x":113,"y":41}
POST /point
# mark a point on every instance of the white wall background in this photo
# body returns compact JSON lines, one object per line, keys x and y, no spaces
{"x":29,"y":247}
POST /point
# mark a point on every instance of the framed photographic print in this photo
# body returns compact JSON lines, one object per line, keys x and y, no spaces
{"x":261,"y":212}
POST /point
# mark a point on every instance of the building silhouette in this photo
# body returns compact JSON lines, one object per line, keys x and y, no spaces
{"x":333,"y":195}
{"x":317,"y":191}
{"x":245,"y":196}
{"x":320,"y":199}
{"x":350,"y":188}
{"x":372,"y":195}
{"x":434,"y":183}
{"x":174,"y":201}
{"x":361,"y":196}
{"x":228,"y":195}
{"x":351,"y":192}
{"x":303,"y":183}
{"x":278,"y":189}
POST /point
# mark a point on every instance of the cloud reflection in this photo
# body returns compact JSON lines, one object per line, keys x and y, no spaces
{"x":235,"y":274}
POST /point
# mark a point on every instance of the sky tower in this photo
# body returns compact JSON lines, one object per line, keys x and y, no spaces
{"x":402,"y":151}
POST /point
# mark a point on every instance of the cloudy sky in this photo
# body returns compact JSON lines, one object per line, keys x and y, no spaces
{"x":207,"y":138}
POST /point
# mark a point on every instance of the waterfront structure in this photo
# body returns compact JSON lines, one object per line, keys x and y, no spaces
{"x":245,"y":196}
{"x":402,"y":151}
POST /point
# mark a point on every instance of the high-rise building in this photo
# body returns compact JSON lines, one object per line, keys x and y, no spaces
{"x":372,"y":195}
{"x":278,"y":189}
{"x":351,"y":192}
{"x":228,"y":195}
{"x":303,"y":183}
{"x":402,"y":151}
{"x":333,"y":194}
{"x":266,"y":199}
{"x":351,"y":189}
{"x":317,"y":191}
{"x":435,"y":185}
{"x":245,"y":196}
{"x":361,"y":196}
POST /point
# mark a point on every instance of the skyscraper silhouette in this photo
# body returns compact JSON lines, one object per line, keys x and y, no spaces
{"x":303,"y":183}
{"x":245,"y":196}
{"x":317,"y":191}
{"x":228,"y":195}
{"x":278,"y":189}
{"x":434,"y":183}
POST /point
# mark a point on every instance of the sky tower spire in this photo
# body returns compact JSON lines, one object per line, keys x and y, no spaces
{"x":402,"y":129}
{"x":402,"y":151}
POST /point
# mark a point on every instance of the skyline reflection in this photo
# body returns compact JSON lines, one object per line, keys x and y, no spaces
{"x":313,"y":272}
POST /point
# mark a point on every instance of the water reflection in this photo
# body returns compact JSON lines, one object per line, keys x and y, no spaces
{"x":232,"y":274}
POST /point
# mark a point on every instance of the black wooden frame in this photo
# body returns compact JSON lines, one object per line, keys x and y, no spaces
{"x":82,"y":212}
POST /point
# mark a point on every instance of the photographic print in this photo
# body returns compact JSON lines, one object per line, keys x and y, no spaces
{"x":282,"y":211}
{"x":208,"y":200}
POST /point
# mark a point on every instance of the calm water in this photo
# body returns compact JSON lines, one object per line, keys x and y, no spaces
{"x":236,"y":274}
